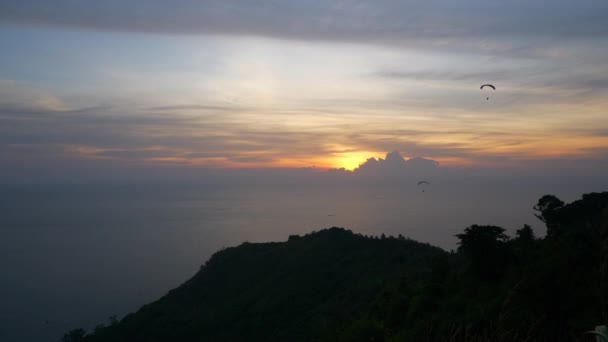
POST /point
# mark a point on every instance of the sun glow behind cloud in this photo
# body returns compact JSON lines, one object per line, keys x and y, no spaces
{"x":352,"y":159}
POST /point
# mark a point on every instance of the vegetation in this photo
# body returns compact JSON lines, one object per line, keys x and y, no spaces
{"x":334,"y":285}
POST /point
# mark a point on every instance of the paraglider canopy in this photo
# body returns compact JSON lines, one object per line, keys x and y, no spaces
{"x":423,"y":185}
{"x":487,"y":85}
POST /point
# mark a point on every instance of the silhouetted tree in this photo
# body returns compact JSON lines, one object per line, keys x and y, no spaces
{"x":76,"y":335}
{"x":525,"y":234}
{"x":547,"y":207}
{"x":484,"y":246}
{"x":440,"y":268}
{"x":524,"y":246}
{"x":604,"y":264}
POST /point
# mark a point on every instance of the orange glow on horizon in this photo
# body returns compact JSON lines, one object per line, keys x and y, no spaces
{"x":492,"y":151}
{"x":348,"y":160}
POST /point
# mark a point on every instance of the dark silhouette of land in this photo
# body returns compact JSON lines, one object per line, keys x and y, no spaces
{"x":334,"y":285}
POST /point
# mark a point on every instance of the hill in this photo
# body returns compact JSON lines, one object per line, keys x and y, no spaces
{"x":334,"y":285}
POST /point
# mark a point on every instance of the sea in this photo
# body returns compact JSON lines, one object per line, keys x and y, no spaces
{"x":74,"y":255}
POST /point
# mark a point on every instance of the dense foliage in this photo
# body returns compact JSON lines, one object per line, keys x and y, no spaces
{"x":334,"y":285}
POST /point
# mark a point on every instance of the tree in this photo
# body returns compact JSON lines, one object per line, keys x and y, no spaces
{"x":76,"y":335}
{"x":547,"y":206}
{"x":484,"y":247}
{"x":604,"y":263}
{"x":525,"y":234}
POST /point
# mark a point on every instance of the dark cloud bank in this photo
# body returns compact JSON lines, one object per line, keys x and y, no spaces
{"x":349,"y":20}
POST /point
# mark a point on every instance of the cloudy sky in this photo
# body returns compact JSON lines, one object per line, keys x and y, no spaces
{"x":296,"y":84}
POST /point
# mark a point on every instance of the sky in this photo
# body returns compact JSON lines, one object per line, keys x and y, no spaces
{"x":329,"y":92}
{"x":102,"y":87}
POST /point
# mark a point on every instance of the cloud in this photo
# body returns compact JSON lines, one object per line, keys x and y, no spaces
{"x":421,"y":165}
{"x":285,"y":135}
{"x":251,"y":159}
{"x":128,"y":135}
{"x":197,"y":108}
{"x":523,"y":83}
{"x":394,"y":166}
{"x":595,"y":83}
{"x":443,"y":75}
{"x":346,"y":20}
{"x":22,"y":98}
{"x":135,"y":154}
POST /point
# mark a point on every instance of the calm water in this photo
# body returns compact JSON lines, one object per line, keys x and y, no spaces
{"x":73,"y":255}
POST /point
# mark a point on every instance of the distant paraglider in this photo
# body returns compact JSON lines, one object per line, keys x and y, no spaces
{"x":487,"y":85}
{"x":423,"y":185}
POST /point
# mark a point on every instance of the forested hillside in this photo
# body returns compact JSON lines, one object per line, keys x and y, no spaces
{"x":334,"y":285}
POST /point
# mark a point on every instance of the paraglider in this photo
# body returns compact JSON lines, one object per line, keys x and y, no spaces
{"x":423,"y":185}
{"x":487,"y":85}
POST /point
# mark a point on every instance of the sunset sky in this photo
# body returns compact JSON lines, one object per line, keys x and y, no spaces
{"x":291,"y":84}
